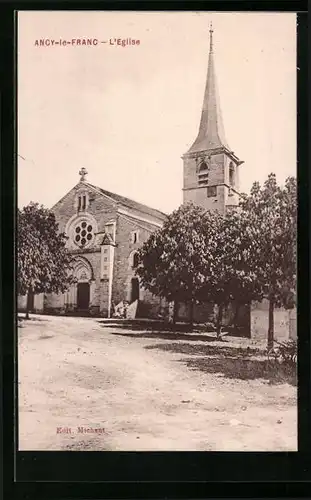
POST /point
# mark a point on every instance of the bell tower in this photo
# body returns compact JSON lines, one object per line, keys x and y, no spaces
{"x":211,"y":169}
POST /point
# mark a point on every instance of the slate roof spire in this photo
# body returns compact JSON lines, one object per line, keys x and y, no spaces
{"x":211,"y":131}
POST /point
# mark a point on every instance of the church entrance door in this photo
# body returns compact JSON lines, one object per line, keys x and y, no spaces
{"x":83,"y":296}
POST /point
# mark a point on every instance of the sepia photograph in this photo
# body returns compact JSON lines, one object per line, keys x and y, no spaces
{"x":156,"y":231}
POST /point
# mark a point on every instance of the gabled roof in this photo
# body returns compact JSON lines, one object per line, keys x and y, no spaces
{"x":147,"y":226}
{"x":127,"y":202}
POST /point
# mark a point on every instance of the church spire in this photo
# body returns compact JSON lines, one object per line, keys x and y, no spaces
{"x":211,"y":132}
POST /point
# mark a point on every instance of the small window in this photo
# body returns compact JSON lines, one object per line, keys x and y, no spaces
{"x":211,"y":191}
{"x":82,"y":202}
{"x":135,"y":235}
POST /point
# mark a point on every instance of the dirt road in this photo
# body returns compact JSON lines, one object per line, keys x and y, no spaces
{"x":84,"y":385}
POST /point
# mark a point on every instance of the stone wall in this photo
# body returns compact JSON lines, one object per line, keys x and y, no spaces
{"x":284,"y":322}
{"x":38,"y":303}
{"x":149,"y":305}
{"x":205,"y":313}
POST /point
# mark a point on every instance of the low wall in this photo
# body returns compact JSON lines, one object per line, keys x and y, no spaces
{"x":38,"y":303}
{"x":285,"y":324}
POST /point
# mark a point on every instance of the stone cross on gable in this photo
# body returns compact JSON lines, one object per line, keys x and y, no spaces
{"x":83,"y":172}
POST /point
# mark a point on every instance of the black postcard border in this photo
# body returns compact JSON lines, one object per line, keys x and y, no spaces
{"x":152,"y":474}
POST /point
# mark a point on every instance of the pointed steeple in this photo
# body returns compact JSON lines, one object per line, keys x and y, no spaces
{"x":211,"y":132}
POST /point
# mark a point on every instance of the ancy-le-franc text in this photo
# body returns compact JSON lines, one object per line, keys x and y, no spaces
{"x":83,"y":42}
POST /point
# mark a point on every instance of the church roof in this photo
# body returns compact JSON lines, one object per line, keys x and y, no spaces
{"x":129,"y":203}
{"x":211,"y":131}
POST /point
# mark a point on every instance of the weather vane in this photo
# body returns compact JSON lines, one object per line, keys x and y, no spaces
{"x":83,"y":172}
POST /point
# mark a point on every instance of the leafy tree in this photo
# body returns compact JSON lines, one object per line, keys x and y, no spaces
{"x":271,"y":210}
{"x":174,"y":259}
{"x":244,"y":255}
{"x":201,"y":256}
{"x":43,"y":263}
{"x":232,"y":277}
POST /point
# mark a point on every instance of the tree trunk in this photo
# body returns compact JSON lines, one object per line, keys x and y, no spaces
{"x":236,"y":315}
{"x":171,"y":307}
{"x":191,"y":314}
{"x":271,"y":324}
{"x":175,"y":312}
{"x":219,"y":320}
{"x":28,"y":303}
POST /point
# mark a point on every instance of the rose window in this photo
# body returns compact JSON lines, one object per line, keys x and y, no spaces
{"x":83,"y":233}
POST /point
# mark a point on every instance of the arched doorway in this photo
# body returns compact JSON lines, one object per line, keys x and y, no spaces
{"x":134,"y":290}
{"x":82,"y":289}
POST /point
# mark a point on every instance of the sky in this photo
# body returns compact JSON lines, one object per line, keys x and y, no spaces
{"x":128,"y":114}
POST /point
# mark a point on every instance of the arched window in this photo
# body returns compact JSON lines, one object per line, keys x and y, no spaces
{"x":203,"y":171}
{"x":82,"y":201}
{"x":203,"y":166}
{"x":135,"y":260}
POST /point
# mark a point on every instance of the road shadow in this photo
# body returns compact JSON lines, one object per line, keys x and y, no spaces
{"x":232,"y":362}
{"x":139,"y":325}
{"x":221,"y":349}
{"x":22,"y":318}
{"x":160,"y":330}
{"x":164,"y":335}
{"x":245,"y":369}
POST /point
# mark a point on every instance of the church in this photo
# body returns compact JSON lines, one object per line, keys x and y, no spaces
{"x":105,"y":230}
